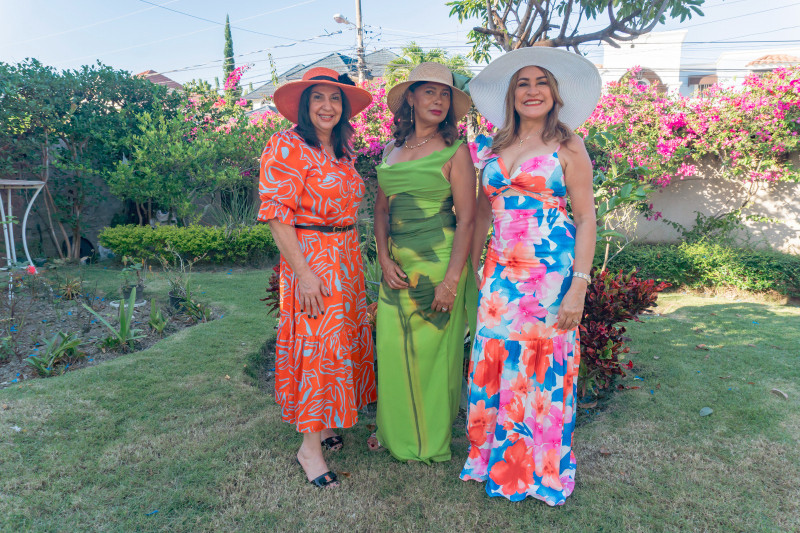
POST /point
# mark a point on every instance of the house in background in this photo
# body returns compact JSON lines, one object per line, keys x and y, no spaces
{"x":160,"y":79}
{"x":375,"y":63}
{"x":659,"y":55}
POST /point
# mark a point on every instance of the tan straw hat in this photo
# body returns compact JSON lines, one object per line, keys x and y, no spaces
{"x":579,"y":83}
{"x":430,"y":72}
{"x":287,"y":96}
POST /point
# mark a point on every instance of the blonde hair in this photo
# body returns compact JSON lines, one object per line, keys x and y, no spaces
{"x":554,"y":129}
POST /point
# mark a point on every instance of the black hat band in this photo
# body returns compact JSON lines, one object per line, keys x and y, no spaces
{"x":344,"y":79}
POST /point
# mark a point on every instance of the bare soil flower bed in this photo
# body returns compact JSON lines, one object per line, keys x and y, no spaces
{"x":38,"y":310}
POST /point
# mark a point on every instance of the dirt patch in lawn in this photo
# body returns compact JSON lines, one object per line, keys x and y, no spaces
{"x":33,"y":313}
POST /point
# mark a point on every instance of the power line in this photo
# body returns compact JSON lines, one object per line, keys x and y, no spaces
{"x":762,"y":33}
{"x":92,"y":25}
{"x":740,"y":16}
{"x":387,"y":44}
{"x":724,"y":3}
{"x":237,"y":27}
{"x":295,"y":41}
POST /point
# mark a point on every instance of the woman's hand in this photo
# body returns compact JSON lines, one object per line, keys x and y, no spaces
{"x":478,"y":276}
{"x":393,"y":275}
{"x":443,"y":298}
{"x":310,"y":291}
{"x":570,"y":311}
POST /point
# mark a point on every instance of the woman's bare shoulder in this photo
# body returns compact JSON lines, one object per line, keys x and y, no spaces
{"x":573,"y":148}
{"x":574,"y":144}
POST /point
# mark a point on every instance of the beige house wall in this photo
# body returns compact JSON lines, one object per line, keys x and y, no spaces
{"x":710,"y":194}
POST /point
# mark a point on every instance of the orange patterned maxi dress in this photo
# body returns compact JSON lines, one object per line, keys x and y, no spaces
{"x":323,"y":366}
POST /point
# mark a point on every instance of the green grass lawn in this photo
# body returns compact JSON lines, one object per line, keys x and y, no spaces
{"x":183,"y":430}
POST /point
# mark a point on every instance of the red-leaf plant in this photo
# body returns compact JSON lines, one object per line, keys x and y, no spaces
{"x":610,"y":299}
{"x":273,"y":299}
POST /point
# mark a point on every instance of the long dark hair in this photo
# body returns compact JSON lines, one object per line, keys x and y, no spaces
{"x":402,"y":126}
{"x":343,"y":131}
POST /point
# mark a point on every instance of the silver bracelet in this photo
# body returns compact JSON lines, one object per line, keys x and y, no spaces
{"x":583,"y":276}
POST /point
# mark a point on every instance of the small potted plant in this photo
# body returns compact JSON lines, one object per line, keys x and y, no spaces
{"x":133,"y":276}
{"x":177,"y":272}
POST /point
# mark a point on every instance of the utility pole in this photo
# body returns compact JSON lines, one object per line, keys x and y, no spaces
{"x":362,"y":67}
{"x":341,"y":19}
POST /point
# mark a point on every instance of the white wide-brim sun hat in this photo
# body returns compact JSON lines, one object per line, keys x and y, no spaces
{"x":578,"y":83}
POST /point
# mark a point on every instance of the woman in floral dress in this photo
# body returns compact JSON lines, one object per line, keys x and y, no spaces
{"x":526,"y":353}
{"x":310,"y":193}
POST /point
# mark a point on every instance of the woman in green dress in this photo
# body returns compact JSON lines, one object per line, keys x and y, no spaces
{"x":424,"y":217}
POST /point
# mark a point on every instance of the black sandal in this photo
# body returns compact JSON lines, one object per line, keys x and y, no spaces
{"x":325,"y":480}
{"x":333,"y":444}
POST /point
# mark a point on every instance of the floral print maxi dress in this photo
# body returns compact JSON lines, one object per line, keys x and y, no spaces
{"x":323,"y":365}
{"x":523,"y":372}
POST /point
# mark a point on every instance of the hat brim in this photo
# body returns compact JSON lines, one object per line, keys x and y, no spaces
{"x":460,"y":100}
{"x":287,"y":97}
{"x":579,"y":83}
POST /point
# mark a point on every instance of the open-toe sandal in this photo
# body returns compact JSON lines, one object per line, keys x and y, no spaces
{"x":333,"y":444}
{"x":325,"y":480}
{"x":373,"y":444}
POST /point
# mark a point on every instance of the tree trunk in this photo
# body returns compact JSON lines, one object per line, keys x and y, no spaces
{"x":60,"y":227}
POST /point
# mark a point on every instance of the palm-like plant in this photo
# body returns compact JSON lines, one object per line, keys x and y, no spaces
{"x":412,"y":55}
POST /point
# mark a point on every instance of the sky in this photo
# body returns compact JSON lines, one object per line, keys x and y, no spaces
{"x":183,"y":39}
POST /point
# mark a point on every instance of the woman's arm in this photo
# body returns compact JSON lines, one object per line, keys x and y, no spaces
{"x":462,"y":185}
{"x":483,"y":220}
{"x":392,"y":273}
{"x":578,"y":177}
{"x":310,"y":287}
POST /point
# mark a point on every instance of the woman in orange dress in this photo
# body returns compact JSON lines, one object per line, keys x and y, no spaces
{"x":310,"y":193}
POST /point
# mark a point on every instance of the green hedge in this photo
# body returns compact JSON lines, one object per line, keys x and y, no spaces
{"x":707,"y":265}
{"x":250,"y":244}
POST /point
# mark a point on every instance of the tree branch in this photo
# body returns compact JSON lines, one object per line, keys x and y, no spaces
{"x":524,"y":26}
{"x":520,"y":23}
{"x":565,"y":22}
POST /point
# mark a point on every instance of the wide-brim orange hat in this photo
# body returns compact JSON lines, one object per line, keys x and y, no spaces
{"x":287,"y":96}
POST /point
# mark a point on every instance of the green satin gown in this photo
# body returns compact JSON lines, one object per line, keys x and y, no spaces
{"x":420,"y":352}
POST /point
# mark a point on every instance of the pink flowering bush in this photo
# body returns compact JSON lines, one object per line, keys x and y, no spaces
{"x":373,"y":130}
{"x":749,"y":130}
{"x":638,"y":140}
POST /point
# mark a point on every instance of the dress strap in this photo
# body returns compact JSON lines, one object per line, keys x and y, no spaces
{"x":448,"y":153}
{"x":386,"y":154}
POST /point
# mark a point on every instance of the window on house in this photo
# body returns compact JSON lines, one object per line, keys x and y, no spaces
{"x":701,"y":83}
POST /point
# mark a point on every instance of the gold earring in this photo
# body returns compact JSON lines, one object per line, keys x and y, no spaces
{"x":412,"y":114}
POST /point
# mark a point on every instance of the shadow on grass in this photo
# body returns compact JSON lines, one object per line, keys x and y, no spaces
{"x":260,"y":367}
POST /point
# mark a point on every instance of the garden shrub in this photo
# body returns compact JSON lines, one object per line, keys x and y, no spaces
{"x":610,"y":299}
{"x":702,"y":265}
{"x":249,"y":244}
{"x":273,"y":297}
